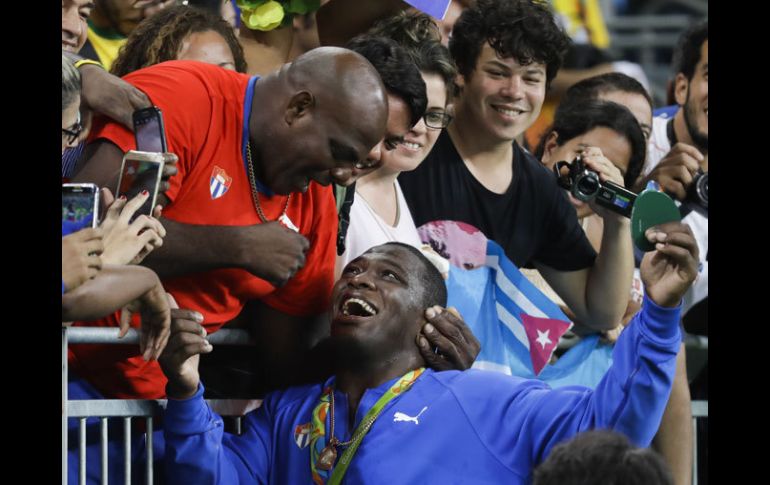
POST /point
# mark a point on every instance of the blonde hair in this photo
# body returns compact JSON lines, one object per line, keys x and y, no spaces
{"x":70,"y":82}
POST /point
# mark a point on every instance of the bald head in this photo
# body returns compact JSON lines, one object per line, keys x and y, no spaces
{"x":319,"y":114}
{"x":346,"y":80}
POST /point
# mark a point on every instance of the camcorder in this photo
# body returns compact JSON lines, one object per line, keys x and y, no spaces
{"x":584,"y":184}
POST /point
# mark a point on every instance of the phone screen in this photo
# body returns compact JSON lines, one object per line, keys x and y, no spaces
{"x":149,"y":131}
{"x":137,"y":176}
{"x":79,"y":207}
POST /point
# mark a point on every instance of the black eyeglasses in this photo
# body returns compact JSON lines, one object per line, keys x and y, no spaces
{"x":437,"y":119}
{"x":73,"y":132}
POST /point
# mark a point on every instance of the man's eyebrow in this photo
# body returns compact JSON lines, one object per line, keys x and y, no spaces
{"x":392,"y":262}
{"x":534,"y":70}
{"x":498,"y":64}
{"x":342,"y":152}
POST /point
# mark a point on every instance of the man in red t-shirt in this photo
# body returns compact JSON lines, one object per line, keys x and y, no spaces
{"x":231,"y":239}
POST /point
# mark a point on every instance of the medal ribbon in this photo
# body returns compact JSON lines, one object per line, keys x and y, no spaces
{"x":318,"y":440}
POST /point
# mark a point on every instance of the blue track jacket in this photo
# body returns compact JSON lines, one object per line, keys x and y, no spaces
{"x":475,"y":426}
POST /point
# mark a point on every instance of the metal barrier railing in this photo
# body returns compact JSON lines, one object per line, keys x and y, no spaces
{"x":644,"y":38}
{"x":128,"y":408}
{"x":142,"y":408}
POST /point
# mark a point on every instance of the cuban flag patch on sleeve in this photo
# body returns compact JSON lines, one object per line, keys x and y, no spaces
{"x":220,"y":182}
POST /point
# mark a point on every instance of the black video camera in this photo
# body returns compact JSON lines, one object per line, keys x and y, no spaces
{"x":586,"y":185}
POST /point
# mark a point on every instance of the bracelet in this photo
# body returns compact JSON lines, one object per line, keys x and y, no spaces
{"x":82,"y":62}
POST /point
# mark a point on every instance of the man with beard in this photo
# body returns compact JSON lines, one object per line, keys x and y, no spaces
{"x":384,"y":418}
{"x":677,"y":153}
{"x":678,"y":146}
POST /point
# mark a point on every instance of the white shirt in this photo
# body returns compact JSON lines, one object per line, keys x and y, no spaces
{"x":368,"y":229}
{"x":657,"y":148}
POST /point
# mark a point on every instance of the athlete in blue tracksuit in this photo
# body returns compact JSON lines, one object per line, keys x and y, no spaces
{"x":449,"y":427}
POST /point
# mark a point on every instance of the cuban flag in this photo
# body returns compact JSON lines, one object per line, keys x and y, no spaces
{"x":517,"y":325}
{"x":302,"y":435}
{"x":219,"y":182}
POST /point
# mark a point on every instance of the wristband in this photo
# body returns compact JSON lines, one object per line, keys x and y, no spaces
{"x":82,"y":62}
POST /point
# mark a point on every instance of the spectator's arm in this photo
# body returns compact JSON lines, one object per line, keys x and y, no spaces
{"x":341,"y":20}
{"x":111,"y":289}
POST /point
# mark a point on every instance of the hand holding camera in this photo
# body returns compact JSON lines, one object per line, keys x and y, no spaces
{"x":679,"y":174}
{"x":592,"y":178}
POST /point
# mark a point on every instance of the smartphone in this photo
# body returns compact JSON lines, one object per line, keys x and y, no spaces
{"x":79,"y":206}
{"x":149,"y":130}
{"x":141,"y":171}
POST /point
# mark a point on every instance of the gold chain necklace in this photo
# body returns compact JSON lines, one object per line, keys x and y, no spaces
{"x":328,"y":455}
{"x":253,"y":181}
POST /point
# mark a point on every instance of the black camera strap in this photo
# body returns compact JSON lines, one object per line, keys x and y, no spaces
{"x":670,"y":132}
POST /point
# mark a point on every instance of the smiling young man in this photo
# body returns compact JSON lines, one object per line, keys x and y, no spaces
{"x":507,"y":52}
{"x":384,"y":418}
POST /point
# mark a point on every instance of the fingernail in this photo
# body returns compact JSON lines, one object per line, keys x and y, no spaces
{"x":122,"y":197}
{"x":428,"y":328}
{"x":660,"y":246}
{"x":430,"y":313}
{"x":198,"y":318}
{"x":144,"y":192}
{"x":423,"y":342}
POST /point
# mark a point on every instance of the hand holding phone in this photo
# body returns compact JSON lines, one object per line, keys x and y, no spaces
{"x":141,"y":171}
{"x":128,"y":240}
{"x":80,"y":206}
{"x":149,"y":130}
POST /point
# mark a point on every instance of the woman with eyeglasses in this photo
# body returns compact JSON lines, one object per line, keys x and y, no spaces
{"x":379,"y":212}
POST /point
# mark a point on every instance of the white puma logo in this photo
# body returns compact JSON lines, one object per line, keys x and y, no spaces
{"x":399,"y":416}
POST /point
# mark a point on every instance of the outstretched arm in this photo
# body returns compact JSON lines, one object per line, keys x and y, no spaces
{"x":633,"y":394}
{"x":115,"y":287}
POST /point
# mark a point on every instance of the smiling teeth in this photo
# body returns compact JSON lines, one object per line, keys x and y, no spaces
{"x":412,"y":146}
{"x":507,"y":112}
{"x":367,"y":308}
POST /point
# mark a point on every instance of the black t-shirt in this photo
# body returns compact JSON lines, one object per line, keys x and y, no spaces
{"x":533,"y":220}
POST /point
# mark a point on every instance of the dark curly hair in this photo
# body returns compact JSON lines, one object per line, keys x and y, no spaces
{"x":523,"y":29}
{"x":159,"y":38}
{"x":398,"y":72}
{"x":602,"y":456}
{"x":419,"y":35}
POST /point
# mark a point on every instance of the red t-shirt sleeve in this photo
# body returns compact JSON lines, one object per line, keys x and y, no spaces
{"x":186,"y":129}
{"x":309,"y":291}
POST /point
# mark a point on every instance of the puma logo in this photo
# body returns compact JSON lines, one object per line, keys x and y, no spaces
{"x":399,"y":416}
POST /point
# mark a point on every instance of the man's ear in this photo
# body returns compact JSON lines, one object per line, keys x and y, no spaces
{"x":301,"y":104}
{"x":550,"y":146}
{"x":681,"y":85}
{"x":459,"y":85}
